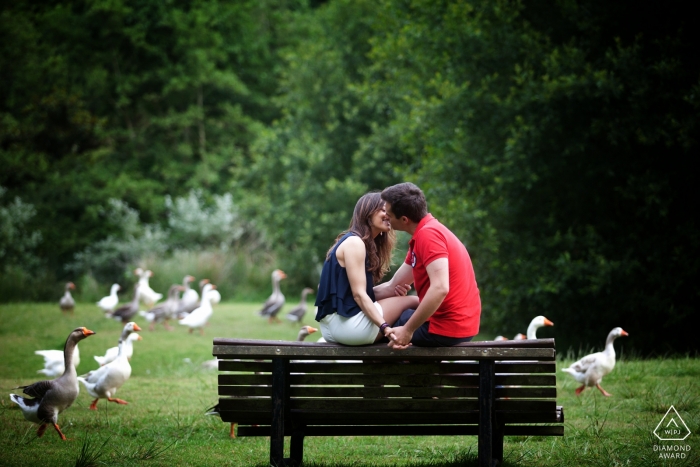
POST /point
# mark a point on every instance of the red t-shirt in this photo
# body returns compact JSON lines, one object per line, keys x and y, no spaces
{"x":459,"y":313}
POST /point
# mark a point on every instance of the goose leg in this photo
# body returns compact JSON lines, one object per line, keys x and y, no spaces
{"x":41,"y":430}
{"x":605,"y":393}
{"x":580,"y":390}
{"x":233,"y":430}
{"x":60,"y":433}
{"x":118,"y":401}
{"x":93,"y":406}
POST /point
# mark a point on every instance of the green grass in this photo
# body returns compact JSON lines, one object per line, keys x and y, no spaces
{"x":164,"y":423}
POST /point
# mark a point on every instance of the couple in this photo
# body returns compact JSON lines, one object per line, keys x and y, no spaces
{"x":353,"y":311}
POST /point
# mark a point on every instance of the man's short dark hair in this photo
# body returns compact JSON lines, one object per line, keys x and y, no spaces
{"x":406,"y":200}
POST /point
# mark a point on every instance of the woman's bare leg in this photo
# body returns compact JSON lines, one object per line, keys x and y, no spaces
{"x":394,"y":306}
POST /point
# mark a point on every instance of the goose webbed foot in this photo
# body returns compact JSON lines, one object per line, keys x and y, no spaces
{"x":603,"y":391}
{"x":118,"y":401}
{"x":60,"y":433}
{"x":93,"y":406}
{"x":580,"y":390}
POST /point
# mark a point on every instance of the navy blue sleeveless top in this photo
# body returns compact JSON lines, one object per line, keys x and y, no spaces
{"x":334,"y":292}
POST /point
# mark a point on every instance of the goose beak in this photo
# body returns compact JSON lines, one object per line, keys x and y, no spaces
{"x":140,"y":338}
{"x":136,"y":327}
{"x":624,"y":333}
{"x":548,"y":322}
{"x":87,"y":332}
{"x":311,"y":330}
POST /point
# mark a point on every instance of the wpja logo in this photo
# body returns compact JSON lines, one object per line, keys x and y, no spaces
{"x":672,"y":428}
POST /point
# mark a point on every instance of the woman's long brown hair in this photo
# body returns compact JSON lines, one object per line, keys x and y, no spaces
{"x":379,"y":248}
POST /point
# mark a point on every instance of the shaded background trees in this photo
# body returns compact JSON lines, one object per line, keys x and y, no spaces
{"x":554,"y":139}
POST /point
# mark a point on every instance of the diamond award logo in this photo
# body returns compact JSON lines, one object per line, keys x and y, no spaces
{"x":672,"y":427}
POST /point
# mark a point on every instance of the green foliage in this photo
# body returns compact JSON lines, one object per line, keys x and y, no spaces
{"x":17,"y":242}
{"x":554,"y":139}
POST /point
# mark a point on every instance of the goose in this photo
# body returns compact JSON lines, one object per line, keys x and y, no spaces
{"x":125,"y":312}
{"x":110,"y":302}
{"x":215,"y":296}
{"x":148,"y":297}
{"x":304,"y":332}
{"x":276,"y":301}
{"x":297,"y":313}
{"x":199,"y":316}
{"x":164,"y":311}
{"x":190,"y":297}
{"x":54,"y":361}
{"x":67,"y":303}
{"x":112,"y":352}
{"x":590,"y":370}
{"x":536,"y":323}
{"x":50,"y":398}
{"x":520,"y":337}
{"x":500,"y":338}
{"x":103,"y":382}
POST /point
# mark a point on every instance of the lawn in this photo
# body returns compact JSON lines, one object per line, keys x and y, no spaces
{"x":164,"y":423}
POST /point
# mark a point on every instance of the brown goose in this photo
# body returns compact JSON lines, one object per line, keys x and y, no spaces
{"x":50,"y":398}
{"x":275,"y":302}
{"x":296,"y":314}
{"x":67,"y":303}
{"x":166,"y":310}
{"x":125,"y":312}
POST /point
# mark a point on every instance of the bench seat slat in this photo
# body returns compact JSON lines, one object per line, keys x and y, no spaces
{"x":310,"y":350}
{"x":332,"y":392}
{"x":462,"y":380}
{"x":387,"y":405}
{"x":408,"y":430}
{"x":385,"y":368}
{"x":388,"y":418}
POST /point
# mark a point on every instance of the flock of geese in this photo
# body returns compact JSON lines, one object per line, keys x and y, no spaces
{"x":47,"y":399}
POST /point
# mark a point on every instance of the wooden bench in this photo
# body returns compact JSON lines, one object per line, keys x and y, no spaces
{"x":298,"y":389}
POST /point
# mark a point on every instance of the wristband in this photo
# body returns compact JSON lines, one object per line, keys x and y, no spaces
{"x":383,"y":327}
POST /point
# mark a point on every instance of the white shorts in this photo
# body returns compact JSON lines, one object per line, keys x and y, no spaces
{"x":356,"y":330}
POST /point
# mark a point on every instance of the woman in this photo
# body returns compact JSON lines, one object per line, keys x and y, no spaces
{"x":350,"y":310}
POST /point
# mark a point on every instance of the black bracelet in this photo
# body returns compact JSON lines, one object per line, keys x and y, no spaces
{"x":382,"y":327}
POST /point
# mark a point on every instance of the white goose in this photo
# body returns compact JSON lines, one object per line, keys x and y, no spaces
{"x":113,"y":352}
{"x":190,"y":297}
{"x":104,"y":382}
{"x":54,"y":361}
{"x":199,"y":316}
{"x":50,"y":398}
{"x":590,"y":370}
{"x":110,"y":302}
{"x":275,"y":302}
{"x":214,"y":295}
{"x":148,"y":296}
{"x":536,"y":323}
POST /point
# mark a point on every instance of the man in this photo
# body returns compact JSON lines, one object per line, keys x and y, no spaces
{"x":441,"y":270}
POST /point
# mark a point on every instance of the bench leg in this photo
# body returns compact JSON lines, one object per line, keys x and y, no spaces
{"x":280,"y":407}
{"x":497,"y":449}
{"x":487,"y":378}
{"x":296,"y":448}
